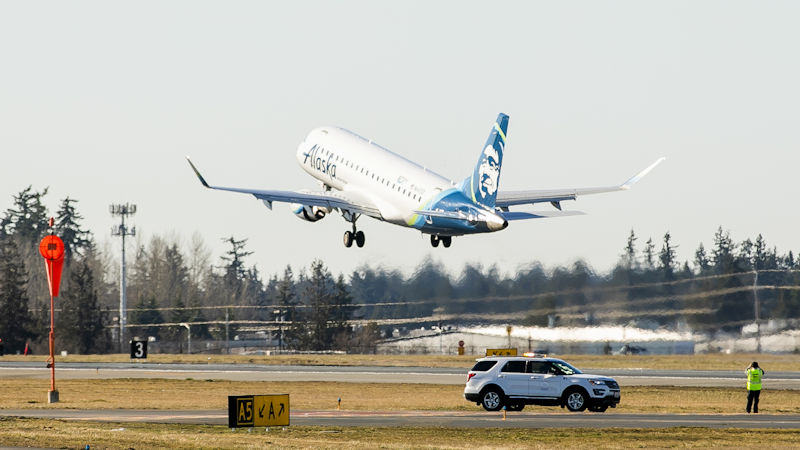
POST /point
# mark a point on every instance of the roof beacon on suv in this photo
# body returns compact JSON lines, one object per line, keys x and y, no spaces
{"x":516,"y":381}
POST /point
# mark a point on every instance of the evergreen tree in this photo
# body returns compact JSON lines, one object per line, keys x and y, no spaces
{"x":649,"y":254}
{"x":629,"y":257}
{"x":286,"y":307}
{"x":146,"y":313}
{"x":722,"y":254}
{"x":82,"y":321}
{"x":666,"y":258}
{"x":760,"y":254}
{"x":430,"y":281}
{"x":15,"y":319}
{"x":234,"y":269}
{"x":67,"y":227}
{"x":701,"y":261}
{"x":27,"y":219}
{"x":341,"y":312}
{"x":310,"y":329}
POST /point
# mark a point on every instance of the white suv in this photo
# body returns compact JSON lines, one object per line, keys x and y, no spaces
{"x":516,"y":381}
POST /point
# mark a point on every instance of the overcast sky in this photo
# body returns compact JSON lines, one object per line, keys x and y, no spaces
{"x":100,"y":101}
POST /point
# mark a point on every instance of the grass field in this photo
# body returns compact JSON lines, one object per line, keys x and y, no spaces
{"x":711,"y":361}
{"x":210,"y":394}
{"x":49,"y":433}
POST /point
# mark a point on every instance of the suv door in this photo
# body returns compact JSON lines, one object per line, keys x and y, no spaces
{"x":513,"y":378}
{"x":546,"y":380}
{"x":537,"y":370}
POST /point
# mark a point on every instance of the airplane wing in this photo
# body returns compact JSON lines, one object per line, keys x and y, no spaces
{"x":349,"y":201}
{"x":555,"y":196}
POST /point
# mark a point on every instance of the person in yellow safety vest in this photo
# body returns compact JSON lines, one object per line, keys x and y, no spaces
{"x":754,"y":374}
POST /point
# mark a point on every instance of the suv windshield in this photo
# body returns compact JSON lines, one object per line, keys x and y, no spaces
{"x":564,"y":368}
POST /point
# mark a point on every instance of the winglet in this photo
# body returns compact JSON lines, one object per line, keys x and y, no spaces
{"x":627,"y":185}
{"x":197,"y":172}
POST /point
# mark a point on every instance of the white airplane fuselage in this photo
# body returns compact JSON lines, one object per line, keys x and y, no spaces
{"x":345,"y":161}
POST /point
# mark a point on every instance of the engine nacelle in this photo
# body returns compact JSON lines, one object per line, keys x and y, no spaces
{"x":309,"y":213}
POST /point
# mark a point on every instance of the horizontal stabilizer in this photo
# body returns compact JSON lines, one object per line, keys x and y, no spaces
{"x":511,"y":198}
{"x":519,"y":215}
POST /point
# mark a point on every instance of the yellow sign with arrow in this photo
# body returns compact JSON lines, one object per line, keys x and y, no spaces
{"x":258,"y":410}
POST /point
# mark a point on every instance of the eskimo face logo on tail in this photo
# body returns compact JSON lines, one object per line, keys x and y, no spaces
{"x":315,"y":161}
{"x":489,"y":171}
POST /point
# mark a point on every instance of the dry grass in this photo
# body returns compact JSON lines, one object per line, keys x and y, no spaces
{"x":48,"y":433}
{"x":711,"y":361}
{"x":199,"y":394}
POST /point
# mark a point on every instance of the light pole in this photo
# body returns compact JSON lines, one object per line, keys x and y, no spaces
{"x":188,"y":336}
{"x":277,"y":313}
{"x":122,"y":211}
{"x":757,"y":308}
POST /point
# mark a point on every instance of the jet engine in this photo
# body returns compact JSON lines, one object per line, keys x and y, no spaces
{"x":309,"y":213}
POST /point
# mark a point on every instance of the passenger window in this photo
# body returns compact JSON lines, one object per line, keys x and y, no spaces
{"x":514,"y":367}
{"x":537,"y":367}
{"x":483,"y":366}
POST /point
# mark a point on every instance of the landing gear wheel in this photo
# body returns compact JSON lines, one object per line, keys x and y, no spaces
{"x":517,"y":407}
{"x":434,"y":240}
{"x":446,"y":241}
{"x":360,"y":238}
{"x":348,"y":239}
{"x":599,"y":409}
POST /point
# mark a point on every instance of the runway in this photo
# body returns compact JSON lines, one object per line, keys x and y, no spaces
{"x":447,"y":419}
{"x":367,"y":374}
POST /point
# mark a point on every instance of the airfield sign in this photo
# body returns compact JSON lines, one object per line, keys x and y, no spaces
{"x":501,"y":352}
{"x":138,"y":349}
{"x":258,"y":410}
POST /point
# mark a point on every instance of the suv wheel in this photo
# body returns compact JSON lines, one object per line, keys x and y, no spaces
{"x":575,"y":400}
{"x":492,"y":399}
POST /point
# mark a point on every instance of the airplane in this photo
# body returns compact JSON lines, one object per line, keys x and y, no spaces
{"x":359,"y":177}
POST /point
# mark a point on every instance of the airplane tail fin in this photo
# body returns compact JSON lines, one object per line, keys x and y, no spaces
{"x":482,"y":185}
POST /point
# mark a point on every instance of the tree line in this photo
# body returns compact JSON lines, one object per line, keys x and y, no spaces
{"x":311,"y":309}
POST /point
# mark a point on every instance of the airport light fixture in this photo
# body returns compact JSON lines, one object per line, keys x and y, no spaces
{"x":123,"y":211}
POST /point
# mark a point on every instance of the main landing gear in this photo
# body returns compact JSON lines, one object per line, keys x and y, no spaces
{"x":357,"y":236}
{"x":445,"y":240}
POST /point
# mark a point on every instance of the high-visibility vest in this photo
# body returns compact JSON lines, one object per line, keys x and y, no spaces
{"x":754,"y":379}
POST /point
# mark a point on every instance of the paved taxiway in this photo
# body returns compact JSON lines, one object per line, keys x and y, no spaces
{"x":450,"y":419}
{"x":362,"y":374}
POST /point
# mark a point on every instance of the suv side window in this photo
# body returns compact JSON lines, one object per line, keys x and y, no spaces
{"x":538,"y":366}
{"x":514,"y":366}
{"x":483,"y":366}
